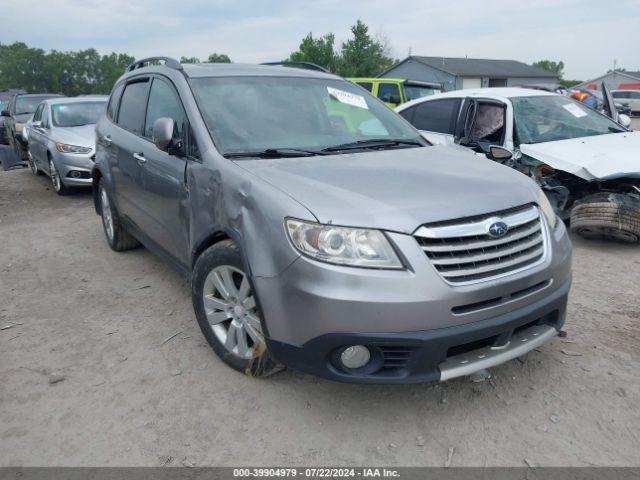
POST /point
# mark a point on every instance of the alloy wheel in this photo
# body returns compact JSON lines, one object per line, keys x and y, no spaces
{"x":55,"y":177}
{"x":107,"y":216}
{"x":231,"y":311}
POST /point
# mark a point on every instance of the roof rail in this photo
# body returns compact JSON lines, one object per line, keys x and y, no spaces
{"x":305,"y":65}
{"x":144,"y":62}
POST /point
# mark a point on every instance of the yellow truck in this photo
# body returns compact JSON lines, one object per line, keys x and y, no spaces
{"x":394,"y":91}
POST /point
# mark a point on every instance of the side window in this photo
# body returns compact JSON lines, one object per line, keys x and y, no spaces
{"x":132,"y":107}
{"x":620,"y":94}
{"x":387,"y":90}
{"x":37,"y":116}
{"x":408,"y":114}
{"x":112,"y":108}
{"x":164,"y":102}
{"x":45,"y":118}
{"x":366,"y":85}
{"x":489,"y":124}
{"x":634,"y":95}
{"x":437,"y":115}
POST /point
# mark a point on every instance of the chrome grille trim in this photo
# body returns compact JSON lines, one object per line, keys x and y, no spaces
{"x":463,"y":252}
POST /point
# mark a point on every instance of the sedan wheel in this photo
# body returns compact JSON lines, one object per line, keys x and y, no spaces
{"x":231,"y":312}
{"x":32,"y":164}
{"x":58,"y":186}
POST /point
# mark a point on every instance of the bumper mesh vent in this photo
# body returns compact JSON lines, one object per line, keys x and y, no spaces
{"x":465,"y":251}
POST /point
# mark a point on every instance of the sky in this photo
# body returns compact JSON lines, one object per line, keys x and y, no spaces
{"x":587,"y":35}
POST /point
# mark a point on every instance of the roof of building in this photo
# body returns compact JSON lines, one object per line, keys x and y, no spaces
{"x":482,"y":67}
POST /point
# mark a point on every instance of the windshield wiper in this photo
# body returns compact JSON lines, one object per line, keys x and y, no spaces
{"x":373,"y":143}
{"x":275,"y":153}
{"x":616,"y":130}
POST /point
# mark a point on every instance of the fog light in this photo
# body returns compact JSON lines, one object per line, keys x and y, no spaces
{"x":75,"y":174}
{"x":355,"y":356}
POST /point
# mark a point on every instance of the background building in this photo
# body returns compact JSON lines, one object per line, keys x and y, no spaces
{"x":457,"y":73}
{"x":615,"y":80}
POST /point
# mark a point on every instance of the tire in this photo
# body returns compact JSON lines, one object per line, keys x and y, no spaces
{"x":226,"y":310}
{"x":117,"y":237}
{"x":58,"y":186}
{"x":33,"y":167}
{"x":608,"y":217}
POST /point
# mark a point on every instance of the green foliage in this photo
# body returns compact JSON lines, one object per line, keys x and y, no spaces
{"x":360,"y":56}
{"x":70,"y":73}
{"x":317,"y":50}
{"x":189,"y":60}
{"x":218,"y":58}
{"x":551,"y":66}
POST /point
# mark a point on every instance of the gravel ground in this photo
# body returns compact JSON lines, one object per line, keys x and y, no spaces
{"x":87,"y":378}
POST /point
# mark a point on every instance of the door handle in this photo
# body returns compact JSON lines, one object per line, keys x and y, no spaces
{"x":140,"y":157}
{"x":107,"y":139}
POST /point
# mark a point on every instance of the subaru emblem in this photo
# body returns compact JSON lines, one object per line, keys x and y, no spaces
{"x":498,"y":229}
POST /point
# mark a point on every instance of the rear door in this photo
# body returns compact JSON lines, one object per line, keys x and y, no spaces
{"x":162,"y":188}
{"x":127,"y":137}
{"x":436,"y":119}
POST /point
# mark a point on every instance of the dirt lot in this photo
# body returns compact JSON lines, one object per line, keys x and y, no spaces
{"x":97,"y":320}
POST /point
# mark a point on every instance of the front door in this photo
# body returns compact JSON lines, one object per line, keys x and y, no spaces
{"x":162,"y":187}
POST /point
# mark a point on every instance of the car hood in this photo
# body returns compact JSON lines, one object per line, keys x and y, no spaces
{"x":82,"y":136}
{"x":396,"y":190}
{"x":597,"y":157}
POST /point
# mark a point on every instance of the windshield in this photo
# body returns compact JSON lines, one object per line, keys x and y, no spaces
{"x":3,"y":106}
{"x":26,"y":105}
{"x":246,"y":114}
{"x":412,"y":91}
{"x":550,"y":118}
{"x":76,"y":114}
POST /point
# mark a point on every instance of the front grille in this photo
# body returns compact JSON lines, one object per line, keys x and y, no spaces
{"x":395,"y":356}
{"x":464,"y":252}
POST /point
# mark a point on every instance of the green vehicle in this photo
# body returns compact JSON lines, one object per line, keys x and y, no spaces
{"x":394,"y":91}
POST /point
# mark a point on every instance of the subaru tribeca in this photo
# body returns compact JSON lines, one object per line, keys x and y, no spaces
{"x":319,"y":231}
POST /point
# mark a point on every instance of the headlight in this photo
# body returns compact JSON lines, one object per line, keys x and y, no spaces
{"x":356,"y":247}
{"x":64,"y":148}
{"x":547,"y":209}
{"x":19,"y":127}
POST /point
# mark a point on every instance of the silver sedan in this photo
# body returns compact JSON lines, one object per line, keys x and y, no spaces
{"x":62,"y":140}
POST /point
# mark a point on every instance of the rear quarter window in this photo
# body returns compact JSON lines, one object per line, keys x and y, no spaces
{"x":437,"y":116}
{"x":114,"y":101}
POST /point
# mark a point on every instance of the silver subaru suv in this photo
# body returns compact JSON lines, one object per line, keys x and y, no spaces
{"x":319,"y":231}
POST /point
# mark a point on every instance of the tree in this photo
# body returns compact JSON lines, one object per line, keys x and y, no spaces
{"x":360,"y":56}
{"x":317,"y":50}
{"x":70,"y":73}
{"x":363,"y":55}
{"x":556,"y":68}
{"x":189,"y":60}
{"x":218,"y":58}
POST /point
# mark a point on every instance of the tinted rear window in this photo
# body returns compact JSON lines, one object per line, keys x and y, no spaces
{"x":112,"y":108}
{"x":435,"y":116}
{"x":133,"y":107}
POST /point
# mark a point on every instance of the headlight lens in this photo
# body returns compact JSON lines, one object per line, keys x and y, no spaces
{"x":547,"y":209}
{"x":356,"y":247}
{"x":64,"y":148}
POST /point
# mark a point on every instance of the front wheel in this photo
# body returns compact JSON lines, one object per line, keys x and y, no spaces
{"x":56,"y":181}
{"x":32,"y":164}
{"x":608,"y":216}
{"x":227,"y":313}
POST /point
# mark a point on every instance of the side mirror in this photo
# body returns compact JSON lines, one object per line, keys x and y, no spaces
{"x":497,"y":152}
{"x":163,"y":133}
{"x":394,"y":99}
{"x":5,"y":113}
{"x":624,"y":120}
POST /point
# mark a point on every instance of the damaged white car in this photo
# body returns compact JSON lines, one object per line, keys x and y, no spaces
{"x":587,"y":163}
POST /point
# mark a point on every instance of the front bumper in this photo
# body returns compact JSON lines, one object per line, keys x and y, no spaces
{"x":431,"y":355}
{"x":412,"y":316}
{"x":74,"y":169}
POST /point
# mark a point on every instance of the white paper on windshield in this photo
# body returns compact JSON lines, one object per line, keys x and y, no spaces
{"x":348,"y":98}
{"x":574,"y":110}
